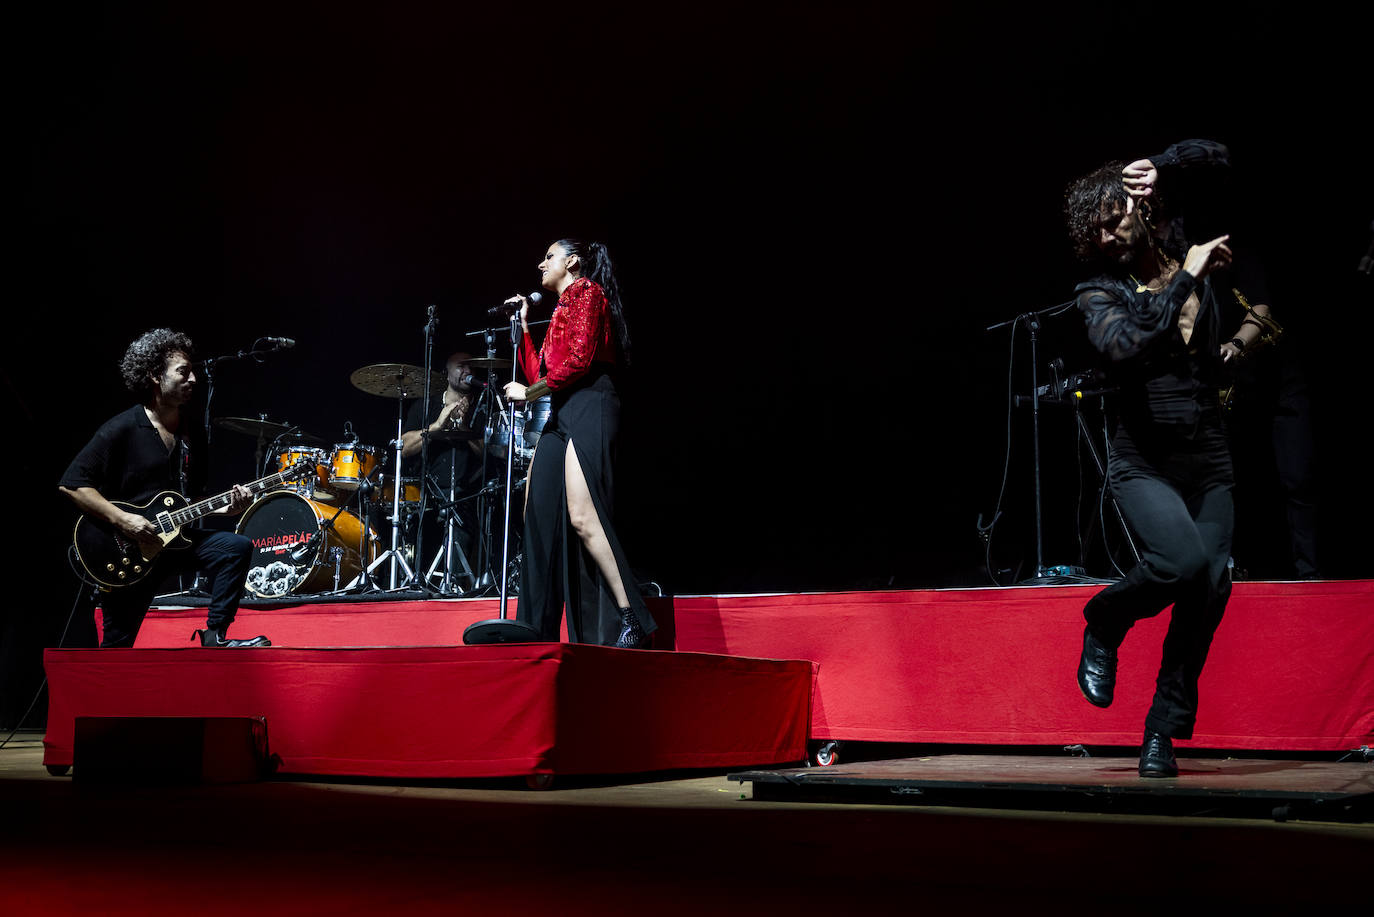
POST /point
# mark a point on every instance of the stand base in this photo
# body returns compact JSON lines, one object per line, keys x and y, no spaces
{"x":500,"y":630}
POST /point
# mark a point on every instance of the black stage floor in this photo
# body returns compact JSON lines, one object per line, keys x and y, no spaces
{"x":1249,"y":787}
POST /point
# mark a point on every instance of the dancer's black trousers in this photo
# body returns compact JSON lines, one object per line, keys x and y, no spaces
{"x":1173,"y":483}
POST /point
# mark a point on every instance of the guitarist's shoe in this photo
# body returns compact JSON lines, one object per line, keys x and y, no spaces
{"x":214,"y":636}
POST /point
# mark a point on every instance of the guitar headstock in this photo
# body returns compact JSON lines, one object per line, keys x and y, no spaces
{"x":303,"y":467}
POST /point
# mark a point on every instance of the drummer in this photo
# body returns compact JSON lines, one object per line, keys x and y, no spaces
{"x":454,"y":410}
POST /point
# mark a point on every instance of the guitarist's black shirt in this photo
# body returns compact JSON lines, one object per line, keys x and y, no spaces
{"x":126,"y":460}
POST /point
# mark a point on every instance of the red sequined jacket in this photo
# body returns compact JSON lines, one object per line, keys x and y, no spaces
{"x":579,"y":334}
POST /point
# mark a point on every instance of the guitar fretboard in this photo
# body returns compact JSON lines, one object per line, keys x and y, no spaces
{"x":195,"y":510}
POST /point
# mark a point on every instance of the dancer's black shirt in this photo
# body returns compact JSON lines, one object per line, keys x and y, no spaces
{"x":1160,"y":377}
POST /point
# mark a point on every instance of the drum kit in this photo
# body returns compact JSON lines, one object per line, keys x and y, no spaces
{"x":325,"y":533}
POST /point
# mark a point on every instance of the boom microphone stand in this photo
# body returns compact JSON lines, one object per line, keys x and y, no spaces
{"x":1032,"y":322}
{"x":503,"y":629}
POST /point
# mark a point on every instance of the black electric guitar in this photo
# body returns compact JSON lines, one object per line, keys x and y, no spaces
{"x":113,"y":559}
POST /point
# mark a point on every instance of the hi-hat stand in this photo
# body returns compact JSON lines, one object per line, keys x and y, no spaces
{"x":451,"y":552}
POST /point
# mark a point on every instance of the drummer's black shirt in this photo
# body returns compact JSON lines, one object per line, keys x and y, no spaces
{"x":127,"y":460}
{"x":442,"y":455}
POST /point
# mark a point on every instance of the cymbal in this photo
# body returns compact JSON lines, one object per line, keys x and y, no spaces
{"x":267,"y":429}
{"x":394,"y":380}
{"x":488,"y":362}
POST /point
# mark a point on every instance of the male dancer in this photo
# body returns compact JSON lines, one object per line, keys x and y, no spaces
{"x":1150,"y":310}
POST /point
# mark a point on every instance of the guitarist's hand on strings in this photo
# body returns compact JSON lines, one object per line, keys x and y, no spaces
{"x":239,"y":499}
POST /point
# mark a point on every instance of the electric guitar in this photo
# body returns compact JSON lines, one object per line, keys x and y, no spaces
{"x":114,"y":559}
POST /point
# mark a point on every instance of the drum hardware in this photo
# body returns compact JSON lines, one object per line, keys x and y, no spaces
{"x":349,"y":465}
{"x":314,"y":486}
{"x":488,"y":400}
{"x":451,"y":550}
{"x":489,"y":362}
{"x":336,"y":555}
{"x":399,"y":381}
{"x":292,"y":537}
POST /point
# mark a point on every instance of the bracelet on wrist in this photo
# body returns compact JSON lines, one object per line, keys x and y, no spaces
{"x":1238,"y":344}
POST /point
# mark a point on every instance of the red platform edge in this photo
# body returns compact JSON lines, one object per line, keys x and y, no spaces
{"x":448,"y":712}
{"x":1291,"y":668}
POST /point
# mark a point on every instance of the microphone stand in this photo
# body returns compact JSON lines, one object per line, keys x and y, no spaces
{"x":207,"y":367}
{"x":1032,"y":322}
{"x":430,"y":326}
{"x":503,"y":629}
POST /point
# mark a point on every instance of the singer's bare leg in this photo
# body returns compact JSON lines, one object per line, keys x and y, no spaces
{"x":582,"y":513}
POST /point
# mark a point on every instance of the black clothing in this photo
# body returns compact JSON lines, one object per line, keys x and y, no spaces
{"x":1169,"y":466}
{"x":443,"y":455}
{"x":555,"y":566}
{"x":444,"y":459}
{"x":1160,"y":378}
{"x":1173,"y":484}
{"x":225,"y":556}
{"x":126,"y":461}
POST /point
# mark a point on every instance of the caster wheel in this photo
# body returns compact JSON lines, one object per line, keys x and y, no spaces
{"x":828,"y":754}
{"x":59,"y":770}
{"x":539,"y":781}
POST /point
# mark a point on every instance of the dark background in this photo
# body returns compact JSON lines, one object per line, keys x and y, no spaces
{"x":816,"y":210}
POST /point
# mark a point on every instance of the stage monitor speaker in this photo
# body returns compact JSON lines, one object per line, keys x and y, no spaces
{"x":161,"y":750}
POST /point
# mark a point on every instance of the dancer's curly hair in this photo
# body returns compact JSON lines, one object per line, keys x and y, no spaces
{"x":147,"y":357}
{"x":1085,"y":199}
{"x":599,"y":269}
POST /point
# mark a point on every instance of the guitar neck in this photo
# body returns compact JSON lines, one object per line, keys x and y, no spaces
{"x":194,"y":511}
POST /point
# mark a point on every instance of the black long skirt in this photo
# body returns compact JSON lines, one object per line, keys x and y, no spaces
{"x":556,"y":570}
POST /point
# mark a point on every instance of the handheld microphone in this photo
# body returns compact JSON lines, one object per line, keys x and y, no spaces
{"x":283,"y":343}
{"x":510,"y":308}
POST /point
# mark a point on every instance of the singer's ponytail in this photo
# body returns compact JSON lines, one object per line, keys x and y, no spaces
{"x":598,"y":268}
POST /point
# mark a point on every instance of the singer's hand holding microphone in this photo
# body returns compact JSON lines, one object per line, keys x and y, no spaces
{"x":518,"y":303}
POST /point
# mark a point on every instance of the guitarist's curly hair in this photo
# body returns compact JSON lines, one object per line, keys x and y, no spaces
{"x":147,"y":357}
{"x":1086,"y":200}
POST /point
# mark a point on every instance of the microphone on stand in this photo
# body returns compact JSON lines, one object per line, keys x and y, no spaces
{"x":472,"y":381}
{"x":301,"y":552}
{"x":510,"y":308}
{"x":282,"y":343}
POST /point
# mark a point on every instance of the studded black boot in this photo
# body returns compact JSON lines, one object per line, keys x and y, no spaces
{"x":632,"y":636}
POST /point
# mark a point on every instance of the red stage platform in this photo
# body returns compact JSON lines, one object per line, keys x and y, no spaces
{"x":455,"y":711}
{"x":1292,"y":666}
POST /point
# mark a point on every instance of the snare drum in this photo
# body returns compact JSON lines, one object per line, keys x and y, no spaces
{"x":499,"y":438}
{"x":537,"y":413}
{"x":306,"y":485}
{"x":349,"y":465}
{"x":280,"y":523}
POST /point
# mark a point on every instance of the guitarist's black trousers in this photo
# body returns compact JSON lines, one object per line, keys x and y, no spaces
{"x":225,"y":558}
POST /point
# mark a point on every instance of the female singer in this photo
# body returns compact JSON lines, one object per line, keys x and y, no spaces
{"x":571,"y":484}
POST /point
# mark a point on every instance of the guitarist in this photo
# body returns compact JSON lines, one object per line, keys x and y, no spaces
{"x":138,"y":454}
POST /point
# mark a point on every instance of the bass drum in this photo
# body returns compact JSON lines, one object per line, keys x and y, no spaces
{"x":281,"y":522}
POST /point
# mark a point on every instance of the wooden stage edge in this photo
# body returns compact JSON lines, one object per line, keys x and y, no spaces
{"x":1247,"y":787}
